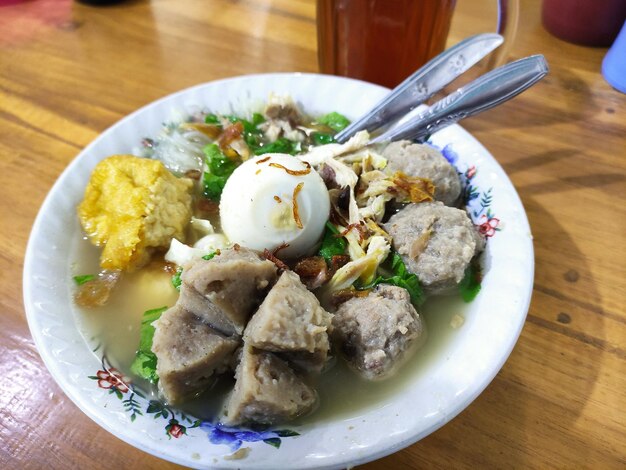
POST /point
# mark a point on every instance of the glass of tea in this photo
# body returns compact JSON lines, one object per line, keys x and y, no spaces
{"x":385,"y":41}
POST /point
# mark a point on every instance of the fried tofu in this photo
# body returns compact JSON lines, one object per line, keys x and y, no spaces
{"x":131,"y":207}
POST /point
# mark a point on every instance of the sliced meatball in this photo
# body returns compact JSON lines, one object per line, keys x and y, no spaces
{"x":436,"y":243}
{"x":426,"y":162}
{"x":290,"y":320}
{"x":375,"y":331}
{"x":267,"y":391}
{"x":225,"y":290}
{"x":189,"y":354}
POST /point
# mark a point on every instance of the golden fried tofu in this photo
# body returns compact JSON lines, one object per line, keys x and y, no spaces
{"x":132,"y":206}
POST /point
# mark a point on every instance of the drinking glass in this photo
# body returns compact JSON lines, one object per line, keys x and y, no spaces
{"x":385,"y":41}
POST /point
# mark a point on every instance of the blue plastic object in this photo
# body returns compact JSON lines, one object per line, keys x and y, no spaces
{"x":614,"y":63}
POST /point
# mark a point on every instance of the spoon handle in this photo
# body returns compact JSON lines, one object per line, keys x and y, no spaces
{"x":484,"y":93}
{"x":424,"y":83}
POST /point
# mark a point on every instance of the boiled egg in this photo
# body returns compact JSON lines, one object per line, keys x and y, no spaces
{"x":273,"y":200}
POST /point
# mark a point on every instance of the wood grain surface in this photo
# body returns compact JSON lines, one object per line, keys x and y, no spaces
{"x":69,"y":70}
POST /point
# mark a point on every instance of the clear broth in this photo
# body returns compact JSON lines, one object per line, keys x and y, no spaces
{"x":113,"y":330}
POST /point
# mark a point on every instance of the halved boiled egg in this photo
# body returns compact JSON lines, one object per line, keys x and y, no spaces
{"x":275,"y":199}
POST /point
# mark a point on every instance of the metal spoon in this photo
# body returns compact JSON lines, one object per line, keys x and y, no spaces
{"x":484,"y":93}
{"x":424,"y":83}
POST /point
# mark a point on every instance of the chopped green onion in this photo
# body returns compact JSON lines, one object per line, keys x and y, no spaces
{"x":335,"y":121}
{"x":281,"y":145}
{"x":212,"y":119}
{"x":331,"y":245}
{"x":219,"y":169}
{"x":248,"y":127}
{"x":145,"y":361}
{"x":176,"y":280}
{"x":80,"y":280}
{"x":320,"y":138}
{"x":401,"y":278}
{"x":470,"y":285}
{"x":257,"y":118}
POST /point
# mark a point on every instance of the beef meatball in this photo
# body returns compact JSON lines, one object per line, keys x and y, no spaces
{"x":426,"y":162}
{"x":374,"y":332}
{"x":226,"y":290}
{"x":267,"y":391}
{"x":290,"y":321}
{"x":436,"y":243}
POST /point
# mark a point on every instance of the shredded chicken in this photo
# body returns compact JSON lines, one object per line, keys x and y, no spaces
{"x":363,"y":268}
{"x":323,"y":153}
{"x":344,"y":175}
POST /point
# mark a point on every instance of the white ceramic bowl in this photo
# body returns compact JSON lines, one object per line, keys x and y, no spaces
{"x":469,"y":360}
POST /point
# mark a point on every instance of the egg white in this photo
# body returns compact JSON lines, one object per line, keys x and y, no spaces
{"x":256,"y":207}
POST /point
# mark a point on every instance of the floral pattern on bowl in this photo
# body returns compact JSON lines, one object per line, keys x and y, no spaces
{"x":476,"y":200}
{"x":134,"y":403}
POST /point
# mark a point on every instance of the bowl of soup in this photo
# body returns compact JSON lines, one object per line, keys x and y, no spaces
{"x":345,"y":393}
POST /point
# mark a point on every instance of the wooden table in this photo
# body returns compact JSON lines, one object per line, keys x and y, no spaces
{"x":68,"y":71}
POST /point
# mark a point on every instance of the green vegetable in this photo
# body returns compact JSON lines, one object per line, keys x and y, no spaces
{"x":212,"y":119}
{"x":80,"y":280}
{"x":145,"y":361}
{"x":319,"y":138}
{"x":213,"y":186}
{"x":248,"y":127}
{"x":335,"y":121}
{"x":401,"y":278}
{"x":251,"y":133}
{"x":331,"y":245}
{"x":470,"y":285}
{"x":257,"y":119}
{"x":252,"y":140}
{"x":219,"y":168}
{"x":281,"y":145}
{"x":176,"y":280}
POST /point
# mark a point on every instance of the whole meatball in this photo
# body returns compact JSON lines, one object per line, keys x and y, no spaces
{"x":424,"y":161}
{"x":374,"y":332}
{"x":436,"y":243}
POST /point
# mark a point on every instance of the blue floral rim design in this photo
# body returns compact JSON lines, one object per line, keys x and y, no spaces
{"x":477,"y":201}
{"x":176,"y":423}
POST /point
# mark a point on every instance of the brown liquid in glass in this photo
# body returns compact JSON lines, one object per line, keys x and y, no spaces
{"x":380,"y":41}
